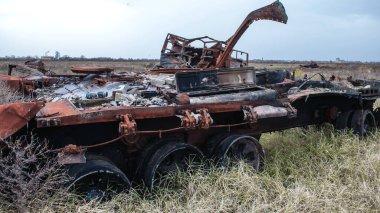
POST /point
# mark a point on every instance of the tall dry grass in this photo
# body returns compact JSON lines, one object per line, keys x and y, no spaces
{"x":29,"y":175}
{"x":8,"y":95}
{"x":306,"y":171}
{"x":377,"y":104}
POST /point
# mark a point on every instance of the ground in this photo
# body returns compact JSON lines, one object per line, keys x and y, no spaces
{"x":357,"y":70}
{"x":307,"y":169}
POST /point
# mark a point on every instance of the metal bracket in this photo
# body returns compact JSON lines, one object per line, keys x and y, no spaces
{"x":205,"y":119}
{"x":127,"y":125}
{"x":48,"y":122}
{"x":188,"y":119}
{"x":71,"y":154}
{"x":249,"y":114}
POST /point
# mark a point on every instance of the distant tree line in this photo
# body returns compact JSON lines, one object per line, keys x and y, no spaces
{"x":58,"y":57}
{"x":69,"y":58}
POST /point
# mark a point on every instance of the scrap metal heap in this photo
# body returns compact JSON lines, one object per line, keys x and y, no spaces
{"x":199,"y":101}
{"x":101,"y":90}
{"x":206,"y":53}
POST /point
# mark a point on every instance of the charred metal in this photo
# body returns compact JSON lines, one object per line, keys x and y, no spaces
{"x":199,"y":101}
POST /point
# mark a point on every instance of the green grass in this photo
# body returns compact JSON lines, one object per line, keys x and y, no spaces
{"x":306,"y":171}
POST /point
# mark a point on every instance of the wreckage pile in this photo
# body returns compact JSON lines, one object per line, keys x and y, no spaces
{"x":208,"y":103}
{"x":103,"y":90}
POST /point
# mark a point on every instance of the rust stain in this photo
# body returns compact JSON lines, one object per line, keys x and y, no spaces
{"x":15,"y":116}
{"x":275,"y":12}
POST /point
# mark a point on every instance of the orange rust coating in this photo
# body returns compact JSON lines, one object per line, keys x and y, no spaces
{"x":12,"y":81}
{"x":26,"y":84}
{"x":66,"y":114}
{"x":61,"y":108}
{"x":15,"y":116}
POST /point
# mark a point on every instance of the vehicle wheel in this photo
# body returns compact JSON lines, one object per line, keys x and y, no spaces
{"x":363,"y":122}
{"x":213,"y":142}
{"x":240,"y":147}
{"x":97,"y":179}
{"x":344,"y":120}
{"x":145,"y":156}
{"x":168,"y":158}
{"x":146,"y":153}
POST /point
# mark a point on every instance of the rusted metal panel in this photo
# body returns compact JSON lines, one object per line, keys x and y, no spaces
{"x":267,"y":111}
{"x":61,"y":108}
{"x":12,"y":81}
{"x":29,"y":83}
{"x":240,"y":96}
{"x":180,"y":53}
{"x":71,"y":154}
{"x":274,"y":12}
{"x":213,"y":79}
{"x":314,"y":92}
{"x":68,"y":116}
{"x":15,"y":116}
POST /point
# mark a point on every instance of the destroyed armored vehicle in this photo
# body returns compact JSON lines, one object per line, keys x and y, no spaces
{"x":113,"y":129}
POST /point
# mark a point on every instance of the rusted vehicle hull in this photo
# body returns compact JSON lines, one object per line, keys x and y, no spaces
{"x":199,"y":102}
{"x":15,"y":116}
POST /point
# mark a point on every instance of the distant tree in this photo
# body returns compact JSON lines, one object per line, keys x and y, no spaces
{"x":57,"y":55}
{"x":65,"y":57}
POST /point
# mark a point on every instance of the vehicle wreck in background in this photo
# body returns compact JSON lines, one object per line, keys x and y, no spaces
{"x":198,"y":102}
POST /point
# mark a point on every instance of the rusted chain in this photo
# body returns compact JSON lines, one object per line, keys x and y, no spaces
{"x":148,"y":132}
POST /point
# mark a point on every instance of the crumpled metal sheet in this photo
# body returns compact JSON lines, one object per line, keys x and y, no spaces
{"x":295,"y":95}
{"x":267,"y":111}
{"x":15,"y":116}
{"x":12,"y":81}
{"x":241,"y":96}
{"x":275,"y":12}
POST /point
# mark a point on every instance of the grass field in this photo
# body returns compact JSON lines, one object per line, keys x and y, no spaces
{"x":313,"y":170}
{"x":307,"y":170}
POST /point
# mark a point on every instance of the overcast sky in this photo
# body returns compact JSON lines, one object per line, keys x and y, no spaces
{"x":316,"y":30}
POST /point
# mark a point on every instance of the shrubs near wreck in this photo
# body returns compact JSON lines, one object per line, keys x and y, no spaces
{"x":29,"y":176}
{"x":314,"y":170}
{"x":8,"y":95}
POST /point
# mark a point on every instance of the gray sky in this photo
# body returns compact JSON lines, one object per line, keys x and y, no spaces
{"x":316,"y":30}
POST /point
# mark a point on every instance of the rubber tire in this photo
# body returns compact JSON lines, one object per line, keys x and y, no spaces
{"x":213,"y":142}
{"x":97,"y":166}
{"x":145,"y":155}
{"x":158,"y":157}
{"x":220,"y":152}
{"x":344,"y":120}
{"x":358,"y":122}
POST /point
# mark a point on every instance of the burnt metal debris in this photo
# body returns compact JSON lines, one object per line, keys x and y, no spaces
{"x":198,"y":102}
{"x":311,"y":65}
{"x":178,"y":52}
